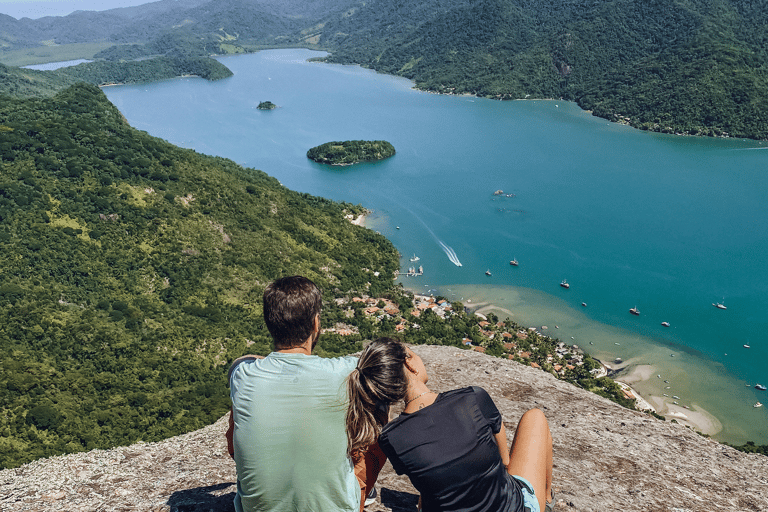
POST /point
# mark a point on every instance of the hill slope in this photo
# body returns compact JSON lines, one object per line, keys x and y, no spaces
{"x":606,"y":457}
{"x":132,"y":273}
{"x":697,"y":67}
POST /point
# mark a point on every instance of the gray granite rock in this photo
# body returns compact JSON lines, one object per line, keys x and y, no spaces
{"x":607,"y":458}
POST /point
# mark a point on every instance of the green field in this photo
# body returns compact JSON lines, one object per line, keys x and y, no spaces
{"x":57,"y":53}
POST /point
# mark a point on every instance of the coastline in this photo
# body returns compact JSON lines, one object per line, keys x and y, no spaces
{"x":644,"y":373}
{"x":698,"y":418}
{"x":359,"y":220}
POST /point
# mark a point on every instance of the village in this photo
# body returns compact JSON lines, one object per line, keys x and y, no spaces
{"x":489,"y":335}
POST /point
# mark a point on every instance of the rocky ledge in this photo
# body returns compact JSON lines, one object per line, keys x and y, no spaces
{"x":607,"y":458}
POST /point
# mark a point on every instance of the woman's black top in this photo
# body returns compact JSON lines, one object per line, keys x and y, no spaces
{"x":449,"y":452}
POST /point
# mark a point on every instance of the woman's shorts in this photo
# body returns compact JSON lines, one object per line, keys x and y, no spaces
{"x":530,"y":503}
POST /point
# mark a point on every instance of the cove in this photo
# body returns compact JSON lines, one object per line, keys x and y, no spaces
{"x":667,"y":224}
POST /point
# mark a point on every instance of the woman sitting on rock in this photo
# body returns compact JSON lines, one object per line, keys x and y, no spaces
{"x":452,"y":445}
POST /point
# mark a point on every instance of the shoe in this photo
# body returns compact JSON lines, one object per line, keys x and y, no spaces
{"x":550,"y":505}
{"x":371,"y":498}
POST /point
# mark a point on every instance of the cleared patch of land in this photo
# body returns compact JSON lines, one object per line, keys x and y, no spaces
{"x":56,"y":53}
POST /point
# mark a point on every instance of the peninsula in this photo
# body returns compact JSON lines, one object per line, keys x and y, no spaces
{"x":351,"y":152}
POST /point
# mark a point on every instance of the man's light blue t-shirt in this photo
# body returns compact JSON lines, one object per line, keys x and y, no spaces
{"x":290,"y":439}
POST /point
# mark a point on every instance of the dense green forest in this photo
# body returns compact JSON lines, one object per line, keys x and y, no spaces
{"x":693,"y":67}
{"x":678,"y":66}
{"x":132,"y":274}
{"x":29,"y":83}
{"x":351,"y":152}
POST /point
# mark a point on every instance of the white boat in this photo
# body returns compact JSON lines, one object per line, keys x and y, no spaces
{"x":564,"y":284}
{"x":513,"y":262}
{"x":634,"y":311}
{"x":760,"y":387}
{"x":584,"y":304}
{"x":487,"y":272}
{"x":746,"y":346}
{"x":665,"y":324}
{"x":415,"y":258}
{"x":720,"y":305}
{"x":757,"y":404}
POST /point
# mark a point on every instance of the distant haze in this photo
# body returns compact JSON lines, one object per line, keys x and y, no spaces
{"x":40,"y":8}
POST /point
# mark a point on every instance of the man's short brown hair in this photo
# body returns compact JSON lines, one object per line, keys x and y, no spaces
{"x":290,"y":307}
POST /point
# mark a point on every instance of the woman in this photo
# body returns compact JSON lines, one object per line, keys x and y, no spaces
{"x":452,"y":445}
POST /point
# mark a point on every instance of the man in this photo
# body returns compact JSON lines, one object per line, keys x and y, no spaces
{"x":287,"y":427}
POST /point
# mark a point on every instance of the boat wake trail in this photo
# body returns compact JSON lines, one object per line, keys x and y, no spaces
{"x":450,"y":253}
{"x":448,"y":250}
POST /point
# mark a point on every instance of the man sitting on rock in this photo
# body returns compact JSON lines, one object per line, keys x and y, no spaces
{"x":287,"y":426}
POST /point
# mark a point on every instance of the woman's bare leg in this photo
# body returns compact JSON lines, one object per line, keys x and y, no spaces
{"x":531,"y":454}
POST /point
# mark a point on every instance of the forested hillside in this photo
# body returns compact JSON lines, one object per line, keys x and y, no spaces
{"x":678,"y":66}
{"x":132,"y":273}
{"x":697,"y":67}
{"x":30,"y":83}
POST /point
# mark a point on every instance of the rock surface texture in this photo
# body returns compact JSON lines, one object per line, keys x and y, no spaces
{"x":607,"y":458}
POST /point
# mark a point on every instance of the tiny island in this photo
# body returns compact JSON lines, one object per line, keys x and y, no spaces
{"x":351,"y":152}
{"x":266,"y":105}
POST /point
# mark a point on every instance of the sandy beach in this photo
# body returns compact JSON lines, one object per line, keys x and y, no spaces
{"x":359,"y":220}
{"x":632,"y":376}
{"x":693,"y":416}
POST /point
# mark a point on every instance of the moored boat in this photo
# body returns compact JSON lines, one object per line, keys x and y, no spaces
{"x":635,"y":311}
{"x":564,"y":284}
{"x":719,"y":305}
{"x":665,"y":324}
{"x":513,"y":262}
{"x":415,"y":258}
{"x":760,"y":387}
{"x":487,"y":272}
{"x":757,"y":404}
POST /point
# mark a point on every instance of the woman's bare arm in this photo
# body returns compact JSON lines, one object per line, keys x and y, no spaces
{"x":501,"y":441}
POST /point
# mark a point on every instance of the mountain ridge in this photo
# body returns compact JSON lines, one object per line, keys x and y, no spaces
{"x":691,"y":67}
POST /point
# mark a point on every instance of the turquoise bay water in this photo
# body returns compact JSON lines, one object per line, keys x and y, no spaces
{"x":668,"y":224}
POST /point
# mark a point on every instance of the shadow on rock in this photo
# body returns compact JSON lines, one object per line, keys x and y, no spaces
{"x":213,"y":498}
{"x":399,"y":501}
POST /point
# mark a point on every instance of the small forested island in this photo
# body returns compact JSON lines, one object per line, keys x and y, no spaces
{"x":351,"y":152}
{"x":266,"y":105}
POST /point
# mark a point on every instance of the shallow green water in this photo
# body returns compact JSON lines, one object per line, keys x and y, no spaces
{"x":668,"y":224}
